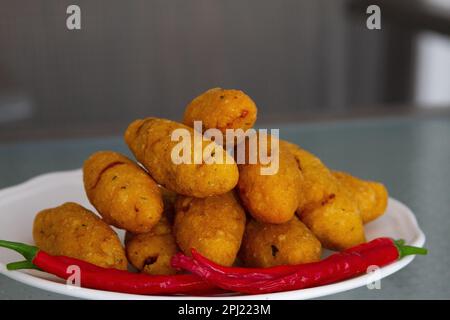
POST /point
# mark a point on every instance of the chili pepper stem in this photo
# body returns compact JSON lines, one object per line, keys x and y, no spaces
{"x":27,"y":251}
{"x":404,"y":250}
{"x":21,"y":265}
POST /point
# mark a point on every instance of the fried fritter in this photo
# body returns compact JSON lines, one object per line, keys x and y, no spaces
{"x":221,"y":109}
{"x":151,"y":143}
{"x":371,"y":197}
{"x":72,"y":230}
{"x":151,"y":252}
{"x":271,"y":198}
{"x":214,"y":226}
{"x":336,"y":222}
{"x":267,"y":245}
{"x":318,"y":182}
{"x":122,"y":192}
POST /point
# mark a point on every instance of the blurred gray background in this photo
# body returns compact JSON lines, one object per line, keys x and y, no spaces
{"x":299,"y":60}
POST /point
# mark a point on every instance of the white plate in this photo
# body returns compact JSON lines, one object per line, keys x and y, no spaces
{"x":19,"y":204}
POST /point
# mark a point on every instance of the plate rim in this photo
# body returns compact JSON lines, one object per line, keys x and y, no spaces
{"x":308,"y":293}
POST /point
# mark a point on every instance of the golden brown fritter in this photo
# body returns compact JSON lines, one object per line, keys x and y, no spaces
{"x":151,"y":252}
{"x":73,"y":231}
{"x":214,"y":226}
{"x":266,"y":245}
{"x":221,"y":109}
{"x":336,"y":222}
{"x":122,"y":192}
{"x":150,"y":142}
{"x":271,"y":198}
{"x":371,"y":197}
{"x":318,"y":182}
{"x":326,"y":208}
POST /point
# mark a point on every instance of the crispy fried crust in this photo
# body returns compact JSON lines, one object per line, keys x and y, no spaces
{"x":122,"y":192}
{"x":336,"y":222}
{"x":214,"y":226}
{"x":151,"y":252}
{"x":266,"y":245}
{"x":73,"y":231}
{"x":271,"y":198}
{"x":221,"y":109}
{"x":150,"y":142}
{"x":371,"y":197}
{"x":318,"y":181}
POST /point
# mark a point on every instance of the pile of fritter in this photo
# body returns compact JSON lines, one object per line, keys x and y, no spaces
{"x":228,"y":211}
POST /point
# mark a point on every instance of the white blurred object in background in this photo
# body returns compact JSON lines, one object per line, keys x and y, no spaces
{"x":432,"y":85}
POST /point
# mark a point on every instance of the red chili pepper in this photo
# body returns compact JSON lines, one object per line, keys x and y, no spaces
{"x":255,"y":274}
{"x":92,"y":276}
{"x":339,"y":266}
